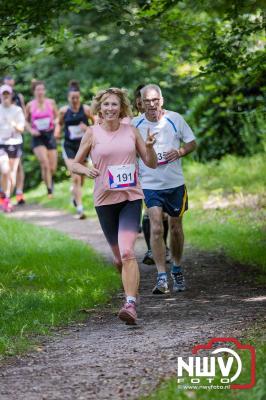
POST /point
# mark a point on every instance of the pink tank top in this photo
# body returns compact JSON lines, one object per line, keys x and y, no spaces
{"x":114,"y":154}
{"x":42,"y":120}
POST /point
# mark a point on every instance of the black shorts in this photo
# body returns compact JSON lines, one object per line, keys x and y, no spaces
{"x":173,"y":201}
{"x":124,"y":216}
{"x":12,"y":150}
{"x":70,"y":148}
{"x":46,"y":139}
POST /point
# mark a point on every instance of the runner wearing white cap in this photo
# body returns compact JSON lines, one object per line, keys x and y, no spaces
{"x":12,"y":123}
{"x":18,"y":100}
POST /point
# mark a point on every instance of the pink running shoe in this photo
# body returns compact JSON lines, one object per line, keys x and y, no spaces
{"x":7,"y":206}
{"x":128,"y":313}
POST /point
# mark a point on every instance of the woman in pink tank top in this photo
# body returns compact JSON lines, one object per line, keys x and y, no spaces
{"x":41,"y":115}
{"x":114,"y":148}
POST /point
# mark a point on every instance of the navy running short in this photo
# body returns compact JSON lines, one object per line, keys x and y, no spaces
{"x":173,"y":201}
{"x":70,"y":148}
{"x":46,"y":139}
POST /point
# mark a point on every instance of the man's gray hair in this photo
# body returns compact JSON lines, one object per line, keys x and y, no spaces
{"x":150,"y":86}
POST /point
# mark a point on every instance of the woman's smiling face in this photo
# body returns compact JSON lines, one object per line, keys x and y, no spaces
{"x":110,"y":108}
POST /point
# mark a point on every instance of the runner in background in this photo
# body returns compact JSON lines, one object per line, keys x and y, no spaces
{"x":148,"y":258}
{"x":164,"y":187}
{"x":18,"y":100}
{"x":73,"y":118}
{"x":113,"y":147}
{"x":12,"y":123}
{"x":4,"y":181}
{"x":137,"y":102}
{"x":41,"y":116}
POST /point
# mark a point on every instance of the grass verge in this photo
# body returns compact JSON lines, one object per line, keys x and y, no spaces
{"x":240,"y":234}
{"x":231,"y":175}
{"x":45,"y":279}
{"x":62,"y":198}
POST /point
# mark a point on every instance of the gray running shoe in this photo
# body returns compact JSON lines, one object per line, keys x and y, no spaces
{"x":161,"y":287}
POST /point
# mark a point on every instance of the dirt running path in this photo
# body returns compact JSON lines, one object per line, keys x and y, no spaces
{"x":102,"y":358}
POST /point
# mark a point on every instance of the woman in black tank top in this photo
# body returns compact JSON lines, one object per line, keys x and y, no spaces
{"x":73,"y":119}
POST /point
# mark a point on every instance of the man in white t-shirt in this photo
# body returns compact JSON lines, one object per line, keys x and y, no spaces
{"x":164,"y":187}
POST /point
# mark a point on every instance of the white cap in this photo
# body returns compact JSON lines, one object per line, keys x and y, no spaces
{"x":6,"y":88}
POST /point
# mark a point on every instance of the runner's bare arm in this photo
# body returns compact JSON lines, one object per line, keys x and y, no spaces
{"x":28,"y":126}
{"x":84,"y":150}
{"x":22,"y":101}
{"x":174,"y":154}
{"x":56,"y":116}
{"x":19,"y":124}
{"x":60,"y":122}
{"x":55,"y":111}
{"x":145,"y":149}
{"x":89,"y":114}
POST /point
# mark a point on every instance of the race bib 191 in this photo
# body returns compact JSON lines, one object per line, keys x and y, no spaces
{"x":75,"y":132}
{"x":42,"y":124}
{"x":122,"y":176}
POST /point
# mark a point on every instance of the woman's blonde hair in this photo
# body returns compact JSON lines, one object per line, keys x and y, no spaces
{"x":120,"y":93}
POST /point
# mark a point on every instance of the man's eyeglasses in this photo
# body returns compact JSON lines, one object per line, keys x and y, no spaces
{"x":149,"y":101}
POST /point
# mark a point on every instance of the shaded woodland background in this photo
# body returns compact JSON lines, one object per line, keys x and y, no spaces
{"x":208,"y":57}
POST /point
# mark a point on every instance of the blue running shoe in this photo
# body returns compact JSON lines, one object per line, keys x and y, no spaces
{"x":179,"y":282}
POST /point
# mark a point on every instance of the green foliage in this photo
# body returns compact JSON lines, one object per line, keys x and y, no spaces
{"x":228,"y":117}
{"x":208,"y":58}
{"x":229,"y":89}
{"x":42,"y":288}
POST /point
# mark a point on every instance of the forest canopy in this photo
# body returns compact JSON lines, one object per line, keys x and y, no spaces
{"x":208,"y":57}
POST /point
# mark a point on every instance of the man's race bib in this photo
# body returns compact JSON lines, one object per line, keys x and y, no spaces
{"x":161,"y":150}
{"x":75,"y":132}
{"x":42,"y":124}
{"x":122,"y":176}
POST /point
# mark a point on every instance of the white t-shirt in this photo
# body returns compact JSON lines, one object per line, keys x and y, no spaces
{"x":9,"y":118}
{"x":172,"y":130}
